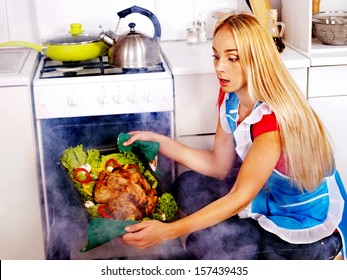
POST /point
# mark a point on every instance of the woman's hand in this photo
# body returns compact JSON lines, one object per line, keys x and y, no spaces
{"x":140,"y":135}
{"x":146,"y":234}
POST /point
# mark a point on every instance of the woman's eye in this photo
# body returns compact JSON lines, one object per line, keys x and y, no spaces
{"x":233,"y":59}
{"x":215,"y":57}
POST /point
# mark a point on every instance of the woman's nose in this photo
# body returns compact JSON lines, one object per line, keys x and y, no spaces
{"x":219,"y":65}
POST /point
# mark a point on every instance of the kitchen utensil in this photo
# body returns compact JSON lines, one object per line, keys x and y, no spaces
{"x":249,"y":5}
{"x":73,"y":46}
{"x":134,"y":49}
{"x":330,"y":27}
{"x":260,"y":9}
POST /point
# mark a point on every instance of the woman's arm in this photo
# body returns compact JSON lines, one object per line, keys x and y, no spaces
{"x":254,"y":172}
{"x":216,"y":162}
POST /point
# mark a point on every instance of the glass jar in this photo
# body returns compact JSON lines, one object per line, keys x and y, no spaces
{"x":276,"y":29}
{"x":222,"y":14}
{"x":192,"y":35}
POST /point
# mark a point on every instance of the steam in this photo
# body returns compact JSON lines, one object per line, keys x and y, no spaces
{"x":67,"y":219}
{"x":232,"y":239}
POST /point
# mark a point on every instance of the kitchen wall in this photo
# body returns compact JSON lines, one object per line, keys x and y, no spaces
{"x":34,"y":20}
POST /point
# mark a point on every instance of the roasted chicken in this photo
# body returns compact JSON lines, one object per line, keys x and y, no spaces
{"x":126,"y":194}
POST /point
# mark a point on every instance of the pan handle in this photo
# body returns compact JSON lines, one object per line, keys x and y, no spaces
{"x":23,"y":44}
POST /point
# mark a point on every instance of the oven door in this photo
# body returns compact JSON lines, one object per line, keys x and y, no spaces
{"x":66,"y":221}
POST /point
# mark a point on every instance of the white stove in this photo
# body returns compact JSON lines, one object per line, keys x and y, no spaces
{"x":94,"y":88}
{"x":90,"y":103}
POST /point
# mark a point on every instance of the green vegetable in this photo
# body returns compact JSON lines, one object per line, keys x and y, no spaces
{"x":166,"y":208}
{"x":74,"y":157}
{"x":93,"y":211}
{"x":93,"y":158}
{"x":151,"y":179}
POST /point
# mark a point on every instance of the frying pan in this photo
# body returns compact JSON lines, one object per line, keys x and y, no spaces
{"x":74,"y":46}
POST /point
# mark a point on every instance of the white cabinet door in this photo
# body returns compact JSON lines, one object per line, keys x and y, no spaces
{"x":21,"y":231}
{"x":332,"y":111}
{"x":300,"y":77}
{"x":4,"y":36}
{"x":327,"y":81}
{"x":196,"y":104}
{"x":204,"y":142}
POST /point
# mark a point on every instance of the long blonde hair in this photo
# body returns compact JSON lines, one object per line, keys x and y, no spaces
{"x":307,"y":149}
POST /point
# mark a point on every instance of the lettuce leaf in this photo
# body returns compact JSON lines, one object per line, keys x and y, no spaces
{"x":74,"y":157}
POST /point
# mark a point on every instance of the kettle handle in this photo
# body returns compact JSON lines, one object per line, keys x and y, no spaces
{"x":149,"y":14}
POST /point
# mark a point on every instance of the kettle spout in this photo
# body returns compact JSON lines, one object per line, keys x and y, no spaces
{"x":109,"y":37}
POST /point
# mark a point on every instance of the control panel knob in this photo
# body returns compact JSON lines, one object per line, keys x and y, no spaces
{"x":103,"y":99}
{"x":73,"y":100}
{"x":118,"y":98}
{"x":149,"y":96}
{"x":133,"y":97}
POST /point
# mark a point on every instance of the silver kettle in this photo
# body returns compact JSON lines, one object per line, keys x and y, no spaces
{"x":133,"y":49}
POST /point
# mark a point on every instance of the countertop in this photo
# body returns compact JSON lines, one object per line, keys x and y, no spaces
{"x":17,"y":66}
{"x":190,"y":59}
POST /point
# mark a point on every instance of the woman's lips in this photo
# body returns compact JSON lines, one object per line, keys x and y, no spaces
{"x":223,"y":82}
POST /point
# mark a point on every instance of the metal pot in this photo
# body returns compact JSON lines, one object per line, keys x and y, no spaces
{"x":134,"y":49}
{"x":73,"y":46}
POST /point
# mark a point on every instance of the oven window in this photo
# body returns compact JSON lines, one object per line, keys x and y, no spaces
{"x":65,"y":216}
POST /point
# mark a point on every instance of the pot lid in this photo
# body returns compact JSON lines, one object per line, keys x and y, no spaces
{"x":76,"y":35}
{"x":330,"y":17}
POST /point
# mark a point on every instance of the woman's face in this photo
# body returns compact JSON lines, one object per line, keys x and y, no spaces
{"x":226,"y":62}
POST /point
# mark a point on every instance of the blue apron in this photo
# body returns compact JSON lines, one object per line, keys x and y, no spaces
{"x":280,"y":207}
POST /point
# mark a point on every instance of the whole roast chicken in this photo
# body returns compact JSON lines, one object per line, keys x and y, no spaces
{"x":126,"y":194}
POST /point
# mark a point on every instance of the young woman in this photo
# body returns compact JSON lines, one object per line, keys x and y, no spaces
{"x":287,"y":200}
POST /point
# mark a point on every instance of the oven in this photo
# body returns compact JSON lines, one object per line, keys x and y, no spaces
{"x":90,"y":103}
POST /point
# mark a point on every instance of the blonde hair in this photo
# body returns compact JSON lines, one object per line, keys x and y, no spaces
{"x":307,"y":149}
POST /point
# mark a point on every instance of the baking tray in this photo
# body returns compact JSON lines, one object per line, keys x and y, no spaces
{"x":106,"y":150}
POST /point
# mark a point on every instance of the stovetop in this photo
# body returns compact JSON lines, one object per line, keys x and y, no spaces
{"x":95,"y":67}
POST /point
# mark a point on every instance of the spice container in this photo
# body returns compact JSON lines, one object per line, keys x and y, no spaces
{"x":315,"y":6}
{"x":192,"y":35}
{"x":197,"y":32}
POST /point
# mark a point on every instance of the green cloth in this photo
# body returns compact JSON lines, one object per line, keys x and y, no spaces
{"x":147,"y":148}
{"x":101,"y":231}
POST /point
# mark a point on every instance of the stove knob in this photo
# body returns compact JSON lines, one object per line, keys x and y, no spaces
{"x":133,"y":97}
{"x":148,"y":96}
{"x":118,"y":98}
{"x":103,"y":99}
{"x":73,"y":100}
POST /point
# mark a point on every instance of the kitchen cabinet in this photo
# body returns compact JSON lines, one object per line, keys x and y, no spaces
{"x":327,"y":91}
{"x":196,"y":89}
{"x":21,"y":234}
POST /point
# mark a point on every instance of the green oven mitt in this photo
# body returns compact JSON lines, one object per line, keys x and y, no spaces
{"x":102,"y":230}
{"x":148,"y":149}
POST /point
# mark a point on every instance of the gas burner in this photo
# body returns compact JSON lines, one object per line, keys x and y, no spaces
{"x":95,"y":67}
{"x":69,"y":71}
{"x":71,"y":63}
{"x":134,"y":70}
{"x":70,"y":74}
